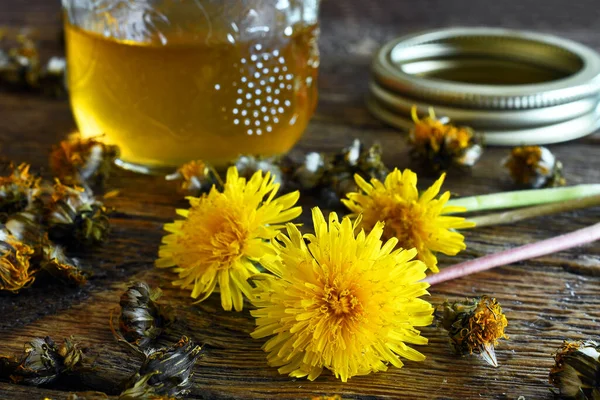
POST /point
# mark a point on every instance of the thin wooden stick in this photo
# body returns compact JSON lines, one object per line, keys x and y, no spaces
{"x":548,"y":246}
{"x":508,"y":217}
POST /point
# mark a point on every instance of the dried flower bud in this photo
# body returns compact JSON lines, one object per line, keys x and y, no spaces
{"x":26,"y":227}
{"x":165,"y":372}
{"x":441,"y":145}
{"x":15,"y":269}
{"x":79,"y":161}
{"x":576,"y":372}
{"x":141,"y":390}
{"x":196,"y":177}
{"x":59,"y":266}
{"x":21,"y":68}
{"x":310,"y":173}
{"x":20,"y":64}
{"x":15,"y":189}
{"x":248,"y":165}
{"x":474,"y":326}
{"x":74,"y":216}
{"x":42,"y":362}
{"x":356,"y":159}
{"x":142,"y":319}
{"x":534,"y":166}
{"x":53,"y":77}
{"x":71,"y":354}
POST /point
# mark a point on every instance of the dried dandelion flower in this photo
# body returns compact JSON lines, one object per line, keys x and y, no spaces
{"x":53,"y":76}
{"x":249,"y":165}
{"x":141,"y":390}
{"x":576,"y":372}
{"x":15,"y":270}
{"x":196,"y":177}
{"x":26,"y":226}
{"x":47,"y":256}
{"x":142,"y":320}
{"x":534,"y":166}
{"x":42,"y":362}
{"x":441,"y":144}
{"x":223,"y":234}
{"x":165,"y":373}
{"x":15,"y":189}
{"x":475,"y":326}
{"x":74,"y":216}
{"x":56,"y":263}
{"x":20,"y":66}
{"x":310,"y":173}
{"x":419,"y":222}
{"x":81,"y":161}
{"x":346,"y":302}
{"x":353,"y":160}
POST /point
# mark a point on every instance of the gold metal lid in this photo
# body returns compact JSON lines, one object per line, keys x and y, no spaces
{"x":515,"y":87}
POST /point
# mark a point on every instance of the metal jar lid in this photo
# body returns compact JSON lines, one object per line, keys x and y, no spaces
{"x":515,"y":87}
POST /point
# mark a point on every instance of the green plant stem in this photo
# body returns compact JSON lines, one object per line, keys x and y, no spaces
{"x":548,"y":246}
{"x":508,"y":217}
{"x":524,"y":198}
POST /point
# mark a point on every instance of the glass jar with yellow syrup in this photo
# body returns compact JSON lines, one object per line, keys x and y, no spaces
{"x":170,"y":81}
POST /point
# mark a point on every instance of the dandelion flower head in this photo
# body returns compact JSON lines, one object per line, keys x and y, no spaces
{"x":417,"y":221}
{"x":223,"y":234}
{"x":345,"y":301}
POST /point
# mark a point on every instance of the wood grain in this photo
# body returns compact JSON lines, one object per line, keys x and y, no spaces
{"x":546,"y":300}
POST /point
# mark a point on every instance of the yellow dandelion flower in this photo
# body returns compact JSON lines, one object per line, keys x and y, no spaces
{"x":416,"y":221}
{"x":223,"y":234}
{"x":345,"y":301}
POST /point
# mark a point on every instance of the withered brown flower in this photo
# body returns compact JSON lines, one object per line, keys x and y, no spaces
{"x":52,"y":78}
{"x":166,"y":372}
{"x":81,"y":161}
{"x":356,"y":159}
{"x":16,"y":188}
{"x":309,"y":174}
{"x":75,"y":217}
{"x":576,"y":372}
{"x":15,"y":269}
{"x":441,"y":145}
{"x":142,"y":319}
{"x":26,"y":227}
{"x":534,"y":166}
{"x":196,"y":177}
{"x":247,"y":166}
{"x":42,"y":361}
{"x":56,"y":263}
{"x":474,"y":326}
{"x":20,"y":65}
{"x":333,"y":174}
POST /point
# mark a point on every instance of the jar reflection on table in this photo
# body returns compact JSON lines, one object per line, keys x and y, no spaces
{"x":170,"y":81}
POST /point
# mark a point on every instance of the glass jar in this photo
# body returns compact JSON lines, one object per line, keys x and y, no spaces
{"x":169,"y":81}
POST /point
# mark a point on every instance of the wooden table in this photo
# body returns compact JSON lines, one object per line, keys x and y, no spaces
{"x":546,"y":300}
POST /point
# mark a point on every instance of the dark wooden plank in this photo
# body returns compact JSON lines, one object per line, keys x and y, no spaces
{"x":8,"y":391}
{"x":546,"y":300}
